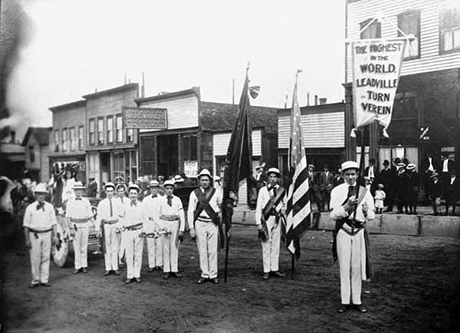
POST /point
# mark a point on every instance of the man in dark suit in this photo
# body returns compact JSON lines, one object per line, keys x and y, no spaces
{"x":92,"y":188}
{"x":452,"y":191}
{"x":387,"y":178}
{"x":447,"y":166}
{"x":434,"y":188}
{"x":372,"y":172}
{"x":325,"y":182}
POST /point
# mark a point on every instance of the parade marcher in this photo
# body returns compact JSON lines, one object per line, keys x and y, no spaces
{"x":79,"y":217}
{"x":154,"y":245}
{"x":122,"y":199}
{"x":326,"y":183}
{"x":109,"y":212}
{"x":132,"y":226}
{"x":387,"y":179}
{"x":270,"y":207}
{"x":452,"y":192}
{"x":351,"y":208}
{"x":171,"y":218}
{"x":203,"y":216}
{"x":413,"y":188}
{"x":435,"y":189}
{"x":379,"y":198}
{"x":39,"y":226}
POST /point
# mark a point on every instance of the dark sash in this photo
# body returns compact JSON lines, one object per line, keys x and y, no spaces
{"x":273,"y":203}
{"x":203,"y":204}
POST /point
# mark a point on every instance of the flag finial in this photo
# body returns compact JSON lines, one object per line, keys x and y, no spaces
{"x":248,"y":66}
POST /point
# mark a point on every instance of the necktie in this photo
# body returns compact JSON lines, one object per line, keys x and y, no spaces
{"x":41,"y":206}
{"x":351,"y":191}
{"x":170,"y":200}
{"x":77,"y":198}
{"x":111,"y":208}
{"x":133,"y":203}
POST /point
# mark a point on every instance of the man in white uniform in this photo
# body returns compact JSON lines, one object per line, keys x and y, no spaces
{"x":171,"y":218}
{"x":39,"y":223}
{"x":79,"y":216}
{"x":352,"y":206}
{"x":108,"y":217}
{"x":203,"y":216}
{"x":154,"y":245}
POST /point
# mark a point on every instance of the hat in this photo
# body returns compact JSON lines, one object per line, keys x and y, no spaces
{"x":154,"y":183}
{"x":178,"y":179}
{"x":119,"y":186}
{"x":401,"y":165}
{"x":78,"y":186}
{"x":349,"y":165}
{"x":386,"y":162}
{"x":216,"y":178}
{"x":259,"y":167}
{"x":434,"y":174}
{"x":311,"y":166}
{"x":275,"y":171}
{"x":380,"y":186}
{"x":204,"y":172}
{"x":134,"y":187}
{"x":109,"y":184}
{"x":40,"y":188}
{"x":367,"y":178}
{"x":410,"y":166}
{"x":169,"y":182}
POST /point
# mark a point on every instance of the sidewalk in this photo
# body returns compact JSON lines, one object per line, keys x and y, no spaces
{"x":422,"y":224}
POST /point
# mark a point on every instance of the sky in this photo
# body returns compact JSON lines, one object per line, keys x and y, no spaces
{"x":74,"y":48}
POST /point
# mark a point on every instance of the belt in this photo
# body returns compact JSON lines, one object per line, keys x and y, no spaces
{"x":134,"y":227}
{"x":78,"y":220}
{"x":204,"y":219}
{"x":169,"y":217}
{"x":353,"y":227}
{"x":110,"y":222}
{"x":39,"y":231}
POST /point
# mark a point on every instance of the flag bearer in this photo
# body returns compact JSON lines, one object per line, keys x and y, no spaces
{"x":108,"y":217}
{"x":203,"y":216}
{"x":351,"y":211}
{"x":39,"y":226}
{"x":270,"y":203}
{"x":154,"y":245}
{"x":79,"y":216}
{"x":132,"y":226}
{"x":171,"y":218}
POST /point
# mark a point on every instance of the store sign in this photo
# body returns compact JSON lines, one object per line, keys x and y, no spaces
{"x":143,"y":118}
{"x":191,"y":168}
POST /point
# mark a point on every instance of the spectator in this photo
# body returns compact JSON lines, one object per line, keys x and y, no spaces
{"x":325,"y":182}
{"x":400,"y":187}
{"x":372,"y":172}
{"x":379,"y":198}
{"x":413,"y":188}
{"x":447,"y":166}
{"x":435,"y":189}
{"x":92,"y":188}
{"x":452,"y":191}
{"x":387,"y":179}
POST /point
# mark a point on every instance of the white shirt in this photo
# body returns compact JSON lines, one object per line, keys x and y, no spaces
{"x":79,"y":209}
{"x":338,"y":197}
{"x":176,"y":209}
{"x":133,"y":213}
{"x":103,"y":211}
{"x":445,"y":167}
{"x":39,"y":219}
{"x":215,"y":203}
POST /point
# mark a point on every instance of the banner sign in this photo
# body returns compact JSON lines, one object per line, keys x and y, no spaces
{"x":145,"y":118}
{"x":376,"y":70}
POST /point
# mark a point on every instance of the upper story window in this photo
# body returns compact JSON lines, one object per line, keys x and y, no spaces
{"x":190,"y":147}
{"x":109,"y":129}
{"x":130,"y":135}
{"x":31,"y":154}
{"x":72,"y":138}
{"x":450,"y":30}
{"x":119,"y":129}
{"x":92,"y":131}
{"x":372,"y":31}
{"x":64,"y":139}
{"x":81,"y":134}
{"x":100,"y":131}
{"x":56,"y":140}
{"x":409,"y":23}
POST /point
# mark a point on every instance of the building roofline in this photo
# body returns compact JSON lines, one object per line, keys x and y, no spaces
{"x":67,"y":105}
{"x":192,"y":91}
{"x":313,"y":109}
{"x":130,"y":86}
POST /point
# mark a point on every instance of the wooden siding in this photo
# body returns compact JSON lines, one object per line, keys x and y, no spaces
{"x":220,"y":143}
{"x":319,"y":130}
{"x":182,"y":111}
{"x":430,"y":58}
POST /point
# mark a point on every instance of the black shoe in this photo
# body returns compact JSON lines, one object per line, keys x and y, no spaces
{"x":151,"y":269}
{"x":360,"y":308}
{"x":106,"y":273}
{"x":278,"y":274}
{"x":76,"y":271}
{"x":202,"y":280}
{"x":215,"y":281}
{"x":138,"y":279}
{"x":84,"y":270}
{"x":33,"y":285}
{"x":166,"y":276}
{"x":45,"y":284}
{"x":265,"y":276}
{"x":128,"y":281}
{"x":176,"y":275}
{"x":343,"y":308}
{"x":117,"y":272}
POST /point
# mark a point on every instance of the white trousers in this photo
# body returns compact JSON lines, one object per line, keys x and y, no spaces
{"x":111,"y":247}
{"x":80,"y":245}
{"x":155,"y":251}
{"x":40,"y":256}
{"x":170,"y":247}
{"x":133,"y":245}
{"x":207,"y":236}
{"x":271,"y":248}
{"x":351,"y":252}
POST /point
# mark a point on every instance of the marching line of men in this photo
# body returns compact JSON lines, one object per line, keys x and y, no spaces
{"x":161,"y":219}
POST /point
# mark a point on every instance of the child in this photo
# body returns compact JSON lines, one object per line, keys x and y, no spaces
{"x":379,"y":198}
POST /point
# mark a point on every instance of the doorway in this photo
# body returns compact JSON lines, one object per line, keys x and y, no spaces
{"x":168,"y":155}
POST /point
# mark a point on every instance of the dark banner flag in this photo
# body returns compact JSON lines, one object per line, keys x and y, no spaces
{"x":298,"y":206}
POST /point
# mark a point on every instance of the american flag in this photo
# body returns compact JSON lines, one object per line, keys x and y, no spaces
{"x":298,"y":205}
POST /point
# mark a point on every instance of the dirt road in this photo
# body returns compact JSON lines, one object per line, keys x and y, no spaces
{"x":416,"y":288}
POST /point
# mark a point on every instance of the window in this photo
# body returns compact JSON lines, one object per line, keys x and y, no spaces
{"x":119,"y":165}
{"x":56,"y":140}
{"x":64,"y":139}
{"x":80,"y":138}
{"x":92,"y":132}
{"x":72,"y":138}
{"x":409,"y":23}
{"x":372,"y":31}
{"x":119,"y":128}
{"x":100,"y":131}
{"x":450,"y":30}
{"x":189,"y":147}
{"x":109,"y":129}
{"x":130,"y":135}
{"x":31,"y":154}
